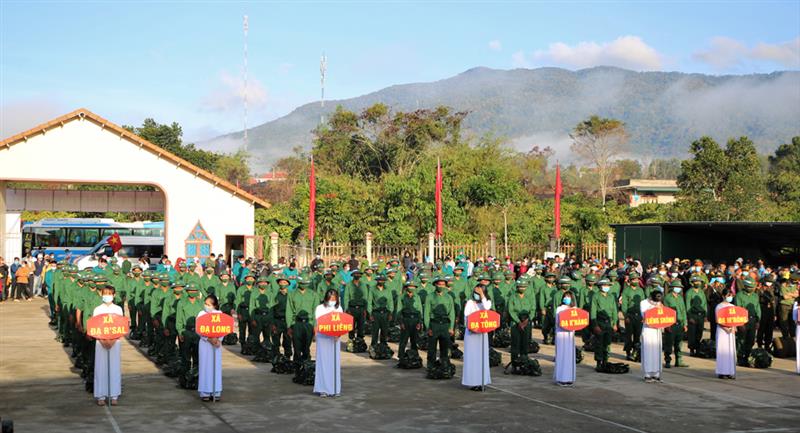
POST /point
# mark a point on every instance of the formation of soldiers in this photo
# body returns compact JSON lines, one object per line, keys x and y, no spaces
{"x":420,"y":307}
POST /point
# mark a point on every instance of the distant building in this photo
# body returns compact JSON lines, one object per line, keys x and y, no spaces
{"x":641,"y":191}
{"x":273,"y":176}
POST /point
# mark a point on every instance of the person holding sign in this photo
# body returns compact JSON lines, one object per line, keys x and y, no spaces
{"x":796,"y":317}
{"x":474,"y":366}
{"x":209,"y":376}
{"x":107,"y":362}
{"x":651,"y":339}
{"x":726,"y":341}
{"x":564,"y":373}
{"x":749,"y":300}
{"x":674,"y":334}
{"x":327,"y":377}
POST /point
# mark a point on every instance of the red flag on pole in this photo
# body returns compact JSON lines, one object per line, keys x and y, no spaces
{"x":557,"y":206}
{"x":312,"y":202}
{"x":115,"y":242}
{"x":439,"y":222}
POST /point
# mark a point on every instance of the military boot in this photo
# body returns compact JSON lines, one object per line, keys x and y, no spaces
{"x":667,"y":361}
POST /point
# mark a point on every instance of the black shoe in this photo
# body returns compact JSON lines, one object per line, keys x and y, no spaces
{"x":476,"y":388}
{"x":667,"y":365}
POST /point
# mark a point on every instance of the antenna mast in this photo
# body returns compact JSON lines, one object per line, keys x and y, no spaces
{"x":323,"y":67}
{"x":245,"y":82}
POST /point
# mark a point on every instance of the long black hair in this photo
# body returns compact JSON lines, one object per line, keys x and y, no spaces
{"x":214,"y":301}
{"x":328,"y":295}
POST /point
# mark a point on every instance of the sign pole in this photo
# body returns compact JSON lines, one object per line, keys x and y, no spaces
{"x":335,"y":373}
{"x":213,"y":373}
{"x":108,"y":373}
{"x":483,"y":362}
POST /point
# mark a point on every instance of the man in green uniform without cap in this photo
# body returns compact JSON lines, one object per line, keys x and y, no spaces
{"x":603,"y":318}
{"x":696,"y":307}
{"x":673,"y":335}
{"x":521,"y":306}
{"x":632,"y":297}
{"x":439,"y":317}
{"x":300,"y":308}
{"x":747,"y":299}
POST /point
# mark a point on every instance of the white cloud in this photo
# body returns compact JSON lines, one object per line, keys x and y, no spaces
{"x":495,"y":45}
{"x":520,"y":60}
{"x":229,"y":94}
{"x":726,"y":53}
{"x":629,"y":52}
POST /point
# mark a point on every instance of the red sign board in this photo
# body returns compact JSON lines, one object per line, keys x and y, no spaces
{"x":335,"y":324}
{"x":214,"y":325}
{"x":107,"y":326}
{"x":483,"y":321}
{"x":660,"y":317}
{"x":732,"y":316}
{"x":573,"y":319}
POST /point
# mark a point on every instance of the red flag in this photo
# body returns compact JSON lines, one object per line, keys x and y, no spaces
{"x":557,"y":206}
{"x":439,"y":222}
{"x":312,"y":203}
{"x":115,"y":242}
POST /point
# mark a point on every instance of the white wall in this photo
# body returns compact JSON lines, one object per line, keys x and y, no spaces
{"x":82,"y":151}
{"x":13,"y":236}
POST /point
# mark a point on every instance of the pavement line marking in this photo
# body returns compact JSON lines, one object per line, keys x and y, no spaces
{"x":596,"y":418}
{"x":112,"y":420}
{"x":731,"y":397}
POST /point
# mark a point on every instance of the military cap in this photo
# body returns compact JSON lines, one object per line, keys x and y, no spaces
{"x":549,"y":274}
{"x":591,"y":278}
{"x":604,"y":282}
{"x":191,"y":287}
{"x":749,"y":282}
{"x":409,"y":284}
{"x":522,"y":283}
{"x":694,"y":278}
{"x":633,"y":275}
{"x":303,"y":282}
{"x":676,"y":283}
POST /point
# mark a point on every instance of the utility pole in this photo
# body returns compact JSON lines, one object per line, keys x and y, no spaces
{"x":323,"y":68}
{"x":246,"y":26}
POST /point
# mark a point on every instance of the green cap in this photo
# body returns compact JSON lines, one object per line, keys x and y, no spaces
{"x":676,"y":283}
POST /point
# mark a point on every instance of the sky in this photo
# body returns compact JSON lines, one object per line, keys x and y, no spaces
{"x":183,"y":62}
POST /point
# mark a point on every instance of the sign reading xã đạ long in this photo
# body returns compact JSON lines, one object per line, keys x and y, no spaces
{"x":214,"y":325}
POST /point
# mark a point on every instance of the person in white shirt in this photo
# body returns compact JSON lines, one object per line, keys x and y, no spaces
{"x":327,"y":377}
{"x":476,"y":372}
{"x":209,"y":356}
{"x":651,"y":340}
{"x":564,"y":371}
{"x":107,"y":359}
{"x":726,"y":341}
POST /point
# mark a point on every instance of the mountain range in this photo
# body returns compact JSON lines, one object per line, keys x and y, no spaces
{"x":663,"y":111}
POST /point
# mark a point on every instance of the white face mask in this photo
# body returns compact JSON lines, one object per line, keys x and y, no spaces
{"x":208,"y":309}
{"x":662,"y":273}
{"x":107,"y":299}
{"x":674,"y":274}
{"x":331,"y":304}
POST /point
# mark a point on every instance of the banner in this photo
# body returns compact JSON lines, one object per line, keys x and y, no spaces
{"x":214,"y":325}
{"x":439,"y":220}
{"x":483,"y":321}
{"x":107,"y":326}
{"x":312,"y":203}
{"x":335,"y":324}
{"x":660,"y":317}
{"x":732,"y":316}
{"x":557,"y":204}
{"x":573,"y":319}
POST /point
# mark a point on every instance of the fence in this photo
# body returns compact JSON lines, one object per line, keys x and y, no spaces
{"x":330,"y":251}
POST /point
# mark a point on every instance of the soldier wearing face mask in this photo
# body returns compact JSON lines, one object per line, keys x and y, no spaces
{"x":696,"y":308}
{"x":714,"y":297}
{"x":673,"y":335}
{"x":630,"y":302}
{"x":766,"y":297}
{"x":603,"y":320}
{"x":521,"y":306}
{"x":749,"y":300}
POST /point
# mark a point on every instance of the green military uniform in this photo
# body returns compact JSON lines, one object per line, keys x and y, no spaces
{"x":410,"y":317}
{"x":696,"y":308}
{"x":169,"y":319}
{"x":603,"y":317}
{"x":632,"y":296}
{"x":521,"y":307}
{"x":545,"y":304}
{"x":380,"y":305}
{"x":673,"y":335}
{"x":157,"y":298}
{"x":280,"y":329}
{"x":243,"y":311}
{"x":185,"y":317}
{"x":261,"y":301}
{"x":134,"y":284}
{"x":208,"y":283}
{"x":747,"y":299}
{"x":300,"y":309}
{"x":439,"y":318}
{"x":356,"y":299}
{"x":786,"y":296}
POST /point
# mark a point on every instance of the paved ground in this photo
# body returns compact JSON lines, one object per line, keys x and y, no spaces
{"x":41,"y":393}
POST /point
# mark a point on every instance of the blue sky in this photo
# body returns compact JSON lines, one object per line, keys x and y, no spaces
{"x":182,"y":61}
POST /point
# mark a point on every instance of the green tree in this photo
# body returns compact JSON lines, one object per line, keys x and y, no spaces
{"x":599,"y":141}
{"x":169,"y":137}
{"x":784,"y":173}
{"x":664,"y":168}
{"x":233,"y":167}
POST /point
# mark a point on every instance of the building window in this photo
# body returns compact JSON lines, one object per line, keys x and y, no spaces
{"x":198,"y":244}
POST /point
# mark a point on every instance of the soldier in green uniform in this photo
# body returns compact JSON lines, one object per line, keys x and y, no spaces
{"x":696,"y":307}
{"x":134,"y":284}
{"x":325,"y":284}
{"x":380,"y":305}
{"x":260,"y":308}
{"x":766,"y":297}
{"x":356,"y":299}
{"x":151,"y":283}
{"x":424,"y":288}
{"x":747,"y":299}
{"x":439,"y":318}
{"x":545,"y":303}
{"x":673,"y":335}
{"x":300,"y":308}
{"x":498,"y":296}
{"x":157,"y":298}
{"x":208,"y":283}
{"x":185,"y":316}
{"x":168,"y":319}
{"x":226,"y":293}
{"x":521,"y":307}
{"x":603,"y":319}
{"x":280,"y":329}
{"x":410,"y":318}
{"x":243,"y":311}
{"x":632,"y":296}
{"x":90,"y":300}
{"x":787,"y":293}
{"x":117,"y":279}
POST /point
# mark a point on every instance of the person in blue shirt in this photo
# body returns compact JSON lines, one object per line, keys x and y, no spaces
{"x":291,"y":274}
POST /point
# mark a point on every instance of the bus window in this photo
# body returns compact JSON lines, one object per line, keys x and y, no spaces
{"x":109,"y":232}
{"x":78,"y":237}
{"x":48,"y":237}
